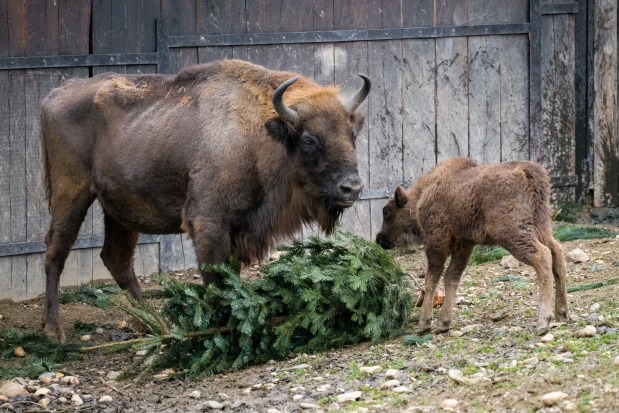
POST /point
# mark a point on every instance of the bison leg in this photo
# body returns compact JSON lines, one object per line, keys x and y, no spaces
{"x":558,"y":271}
{"x":436,"y":264}
{"x":534,"y":253}
{"x":67,"y":214}
{"x":212,"y":245}
{"x":460,"y":256}
{"x":117,"y":255}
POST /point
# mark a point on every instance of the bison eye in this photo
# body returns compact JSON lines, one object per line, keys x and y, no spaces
{"x":309,"y":142}
{"x":386,"y":213}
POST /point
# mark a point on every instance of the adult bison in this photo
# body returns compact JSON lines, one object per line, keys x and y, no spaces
{"x":236,"y":155}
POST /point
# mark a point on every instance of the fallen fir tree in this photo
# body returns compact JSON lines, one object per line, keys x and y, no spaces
{"x":321,"y":294}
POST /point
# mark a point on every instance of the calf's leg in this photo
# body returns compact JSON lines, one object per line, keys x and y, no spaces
{"x":460,"y":256}
{"x":558,"y":271}
{"x":117,"y":255}
{"x":436,"y":263}
{"x":67,"y":211}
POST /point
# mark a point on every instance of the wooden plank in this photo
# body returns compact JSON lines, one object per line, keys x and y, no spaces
{"x":514,"y":98}
{"x":256,"y":22}
{"x":215,"y":16}
{"x":484,"y":99}
{"x":374,"y":14}
{"x":418,"y":118}
{"x":17,"y":28}
{"x":74,"y":26}
{"x":211,"y":54}
{"x":101,"y":26}
{"x":605,"y":128}
{"x":151,"y":11}
{"x":351,"y":14}
{"x":417,"y":13}
{"x":323,"y":14}
{"x":35,"y":27}
{"x":451,"y":98}
{"x":51,"y":27}
{"x":558,"y":95}
{"x":183,"y":22}
{"x":487,"y":11}
{"x":391,"y":13}
{"x":518,"y":11}
{"x":5,"y":203}
{"x":451,"y":13}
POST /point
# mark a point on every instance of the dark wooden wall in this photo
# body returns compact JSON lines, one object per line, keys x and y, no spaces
{"x":432,"y":98}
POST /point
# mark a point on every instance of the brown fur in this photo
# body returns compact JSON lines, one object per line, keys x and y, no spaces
{"x":460,"y":204}
{"x":203,"y":152}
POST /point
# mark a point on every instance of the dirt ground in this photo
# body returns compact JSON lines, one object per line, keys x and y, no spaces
{"x":506,"y":366}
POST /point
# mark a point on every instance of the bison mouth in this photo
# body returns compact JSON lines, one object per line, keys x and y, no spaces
{"x":342,"y":204}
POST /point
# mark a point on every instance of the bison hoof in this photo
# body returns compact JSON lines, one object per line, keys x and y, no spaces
{"x":542,"y":330}
{"x":441,"y":330}
{"x":562,"y":317}
{"x":54,"y":330}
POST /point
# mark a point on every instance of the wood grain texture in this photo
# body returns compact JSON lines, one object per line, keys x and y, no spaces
{"x":5,"y":156}
{"x":452,"y":97}
{"x":417,"y":13}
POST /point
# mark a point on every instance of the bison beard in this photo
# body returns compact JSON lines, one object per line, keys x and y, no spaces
{"x":238,"y":156}
{"x":460,"y":204}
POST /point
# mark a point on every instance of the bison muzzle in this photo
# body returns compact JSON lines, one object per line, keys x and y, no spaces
{"x":238,"y":156}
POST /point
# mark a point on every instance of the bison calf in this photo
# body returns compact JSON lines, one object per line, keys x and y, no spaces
{"x":460,"y":204}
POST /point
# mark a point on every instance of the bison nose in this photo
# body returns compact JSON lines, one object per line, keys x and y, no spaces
{"x":350,"y":188}
{"x":383,"y":241}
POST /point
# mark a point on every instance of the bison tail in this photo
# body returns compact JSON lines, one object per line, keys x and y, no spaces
{"x":538,"y":182}
{"x":46,"y":168}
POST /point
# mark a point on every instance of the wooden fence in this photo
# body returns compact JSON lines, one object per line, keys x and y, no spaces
{"x":494,"y":80}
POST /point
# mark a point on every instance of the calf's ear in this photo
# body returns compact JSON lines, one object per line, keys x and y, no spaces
{"x":400,"y":197}
{"x":281,"y":131}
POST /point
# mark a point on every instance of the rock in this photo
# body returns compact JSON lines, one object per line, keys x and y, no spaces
{"x":62,"y":399}
{"x":309,"y":406}
{"x":402,"y":389}
{"x":76,"y":400}
{"x":11,"y":389}
{"x":141,"y":352}
{"x":449,"y":404}
{"x":297,"y":367}
{"x":163,"y":375}
{"x":99,"y":330}
{"x":392,"y":373}
{"x":3,"y":398}
{"x":223,"y":396}
{"x":573,"y":317}
{"x":510,"y":262}
{"x":44,"y":402}
{"x":576,"y":256}
{"x":87,"y":398}
{"x":333,"y":406}
{"x":212,"y":405}
{"x":323,"y":388}
{"x":257,"y":386}
{"x":370,"y":369}
{"x":19,"y":352}
{"x":456,"y":375}
{"x":592,"y":317}
{"x":588,"y":331}
{"x":514,"y":329}
{"x":105,"y":399}
{"x":42,"y":391}
{"x":112,"y":375}
{"x":348,"y":397}
{"x":297,"y":389}
{"x":550,"y":399}
{"x":121,"y":325}
{"x":85,"y":338}
{"x":70,"y":380}
{"x":297,"y":397}
{"x":594,"y":307}
{"x":532,"y":362}
{"x":273,"y":411}
{"x":469,"y":328}
{"x":390,"y":384}
{"x":455,"y":333}
{"x":616,"y":361}
{"x":570,"y":407}
{"x":194,"y":394}
{"x":547,"y":338}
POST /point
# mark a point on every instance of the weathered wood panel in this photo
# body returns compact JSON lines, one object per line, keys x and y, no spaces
{"x":604,"y":119}
{"x":5,"y":156}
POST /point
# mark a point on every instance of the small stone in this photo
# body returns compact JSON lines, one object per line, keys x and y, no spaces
{"x":532,"y":362}
{"x":163,"y":375}
{"x":105,"y":399}
{"x":616,"y":361}
{"x":297,"y":367}
{"x":333,"y":406}
{"x":141,"y":352}
{"x":348,"y":397}
{"x":577,"y":255}
{"x":76,"y":400}
{"x":87,"y":398}
{"x":456,"y":375}
{"x":213,"y":405}
{"x":257,"y":386}
{"x":547,"y":338}
{"x":455,"y":333}
{"x":390,"y":384}
{"x":297,"y":397}
{"x":112,"y":375}
{"x":309,"y":406}
{"x":573,"y":317}
{"x":223,"y":396}
{"x":402,"y":389}
{"x":592,"y":317}
{"x":297,"y":389}
{"x":588,"y":331}
{"x":570,"y":407}
{"x":323,"y":388}
{"x":121,"y":325}
{"x":70,"y":380}
{"x":62,"y":399}
{"x":195,"y":394}
{"x":85,"y":338}
{"x":510,"y":262}
{"x":99,"y":330}
{"x":392,"y":373}
{"x":273,"y":411}
{"x":3,"y":398}
{"x":449,"y":404}
{"x":42,"y":391}
{"x":469,"y":328}
{"x":44,"y":402}
{"x":247,"y":390}
{"x":11,"y":389}
{"x":19,"y":352}
{"x":550,"y":399}
{"x":370,"y":369}
{"x":594,"y":307}
{"x":514,"y":329}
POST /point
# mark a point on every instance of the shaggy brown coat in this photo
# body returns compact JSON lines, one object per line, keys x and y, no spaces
{"x":206,"y":152}
{"x":460,"y":204}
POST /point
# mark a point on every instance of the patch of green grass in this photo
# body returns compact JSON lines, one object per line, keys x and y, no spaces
{"x":83,"y":328}
{"x":469,"y":283}
{"x":528,"y":312}
{"x":469,"y":369}
{"x":355,"y":372}
{"x":521,"y":285}
{"x":467,"y":313}
{"x":94,"y":295}
{"x":566,"y":212}
{"x":483,"y":254}
{"x":573,"y":232}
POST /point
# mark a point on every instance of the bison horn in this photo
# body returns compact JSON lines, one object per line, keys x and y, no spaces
{"x":284,"y":112}
{"x":361,"y":94}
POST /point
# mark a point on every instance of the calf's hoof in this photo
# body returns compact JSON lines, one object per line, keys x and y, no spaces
{"x":53,"y":330}
{"x":561,"y":316}
{"x":441,"y":328}
{"x":424,"y":327}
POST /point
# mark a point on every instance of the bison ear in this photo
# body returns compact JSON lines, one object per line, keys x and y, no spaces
{"x":400,"y":196}
{"x":281,"y":131}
